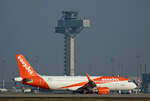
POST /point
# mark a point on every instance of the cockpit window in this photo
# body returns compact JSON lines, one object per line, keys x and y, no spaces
{"x":130,"y":81}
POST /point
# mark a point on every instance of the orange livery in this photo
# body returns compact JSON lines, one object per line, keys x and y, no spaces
{"x":78,"y":84}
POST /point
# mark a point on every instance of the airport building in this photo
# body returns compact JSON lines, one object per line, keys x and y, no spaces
{"x":146,"y":82}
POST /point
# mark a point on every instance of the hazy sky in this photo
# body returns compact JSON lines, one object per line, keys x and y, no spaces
{"x":120,"y":29}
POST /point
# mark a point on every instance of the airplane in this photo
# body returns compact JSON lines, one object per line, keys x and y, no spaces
{"x":101,"y":85}
{"x":3,"y":90}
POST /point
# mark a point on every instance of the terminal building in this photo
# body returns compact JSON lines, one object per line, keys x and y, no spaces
{"x":146,"y":82}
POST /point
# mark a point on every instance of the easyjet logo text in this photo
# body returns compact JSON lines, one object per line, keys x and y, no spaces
{"x":110,"y":79}
{"x":28,"y":68}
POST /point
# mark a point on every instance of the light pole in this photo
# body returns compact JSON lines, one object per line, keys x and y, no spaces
{"x":112,"y":60}
{"x":3,"y":72}
{"x":138,"y":64}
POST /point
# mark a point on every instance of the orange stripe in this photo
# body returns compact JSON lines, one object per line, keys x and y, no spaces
{"x":74,"y":85}
{"x":98,"y":81}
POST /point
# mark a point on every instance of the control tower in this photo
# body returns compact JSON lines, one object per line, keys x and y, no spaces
{"x":70,"y":25}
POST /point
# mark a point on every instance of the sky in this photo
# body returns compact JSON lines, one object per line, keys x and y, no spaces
{"x":117,"y":40}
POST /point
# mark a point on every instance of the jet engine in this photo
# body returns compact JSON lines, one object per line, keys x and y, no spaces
{"x":103,"y":90}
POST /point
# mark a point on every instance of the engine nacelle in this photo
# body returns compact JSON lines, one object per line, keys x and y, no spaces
{"x":17,"y":79}
{"x":103,"y":90}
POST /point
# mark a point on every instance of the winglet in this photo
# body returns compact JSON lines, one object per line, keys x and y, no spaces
{"x":87,"y":76}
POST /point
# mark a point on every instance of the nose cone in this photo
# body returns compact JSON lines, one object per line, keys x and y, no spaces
{"x":134,"y":85}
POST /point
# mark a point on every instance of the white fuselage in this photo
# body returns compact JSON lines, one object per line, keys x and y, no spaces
{"x":73,"y":83}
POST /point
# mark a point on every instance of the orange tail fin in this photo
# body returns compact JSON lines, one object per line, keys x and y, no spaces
{"x":24,"y":67}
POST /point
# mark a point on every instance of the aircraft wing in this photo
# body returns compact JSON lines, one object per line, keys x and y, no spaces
{"x":88,"y":87}
{"x":91,"y":87}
